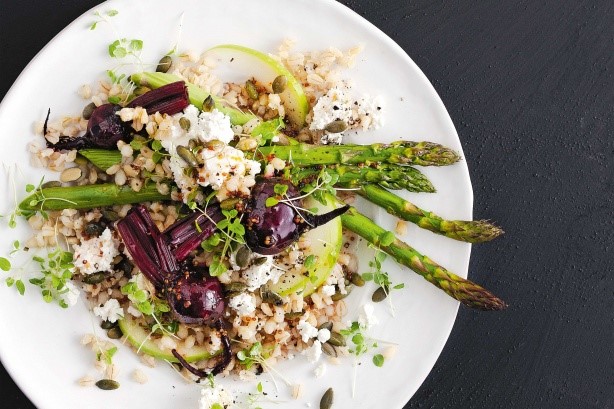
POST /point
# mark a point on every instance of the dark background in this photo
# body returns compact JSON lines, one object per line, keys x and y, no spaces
{"x":530,"y":88}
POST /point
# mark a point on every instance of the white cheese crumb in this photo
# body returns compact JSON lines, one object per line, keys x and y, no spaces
{"x":323,"y":335}
{"x":211,"y":396}
{"x":328,"y":290}
{"x":71,"y":296}
{"x":367,"y":318}
{"x":208,"y":126}
{"x":258,"y":275}
{"x":110,"y":311}
{"x":95,"y":254}
{"x":306,"y":330}
{"x":244,"y":304}
{"x":140,"y":376}
{"x":314,"y":352}
{"x":320,"y":370}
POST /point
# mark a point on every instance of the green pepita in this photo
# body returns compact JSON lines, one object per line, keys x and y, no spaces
{"x":230,"y":203}
{"x":279,"y":84}
{"x":164,"y":64}
{"x":95,"y":278}
{"x":243,"y":256}
{"x":235,"y":287}
{"x":327,"y":325}
{"x":336,"y":339}
{"x":115,"y":333}
{"x":338,"y":296}
{"x":184,"y":123}
{"x":329,"y":350}
{"x":138,"y":91}
{"x":271,"y":297}
{"x":357,"y":280}
{"x":208,"y":104}
{"x":110,"y":215}
{"x":93,"y":229}
{"x":88,"y":110}
{"x":336,"y":126}
{"x":258,"y":261}
{"x":187,"y":155}
{"x":251,"y":90}
{"x":293,"y":315}
{"x":108,"y":324}
{"x":107,"y":384}
{"x":327,"y":399}
{"x":51,"y":183}
{"x":215,"y":145}
{"x":379,"y":295}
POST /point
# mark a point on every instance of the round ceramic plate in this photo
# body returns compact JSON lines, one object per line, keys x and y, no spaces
{"x":39,"y":342}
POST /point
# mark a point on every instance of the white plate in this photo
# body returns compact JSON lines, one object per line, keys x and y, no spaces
{"x":39,"y":343}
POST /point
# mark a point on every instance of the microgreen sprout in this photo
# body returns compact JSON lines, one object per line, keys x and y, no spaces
{"x":379,"y":277}
{"x":252,"y":355}
{"x":57,"y":269}
{"x":230,"y":232}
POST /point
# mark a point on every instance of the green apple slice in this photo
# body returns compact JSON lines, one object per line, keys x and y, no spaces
{"x":250,"y":63}
{"x":139,"y":338}
{"x":325,"y":244}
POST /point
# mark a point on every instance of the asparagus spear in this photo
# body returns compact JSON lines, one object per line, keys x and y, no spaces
{"x":400,"y":152}
{"x":383,"y":174}
{"x":476,"y":231}
{"x":88,"y":196}
{"x":196,"y":94}
{"x":465,"y":291}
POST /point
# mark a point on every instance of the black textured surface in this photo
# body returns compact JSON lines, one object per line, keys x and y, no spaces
{"x":530,"y":87}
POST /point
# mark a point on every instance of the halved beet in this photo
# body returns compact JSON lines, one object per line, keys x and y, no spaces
{"x":196,"y":299}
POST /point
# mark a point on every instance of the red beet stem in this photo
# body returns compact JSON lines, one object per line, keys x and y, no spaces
{"x":169,"y":99}
{"x":183,"y":237}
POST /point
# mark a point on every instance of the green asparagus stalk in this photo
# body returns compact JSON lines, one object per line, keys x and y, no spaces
{"x":102,"y":158}
{"x":383,"y":174}
{"x":400,"y":152}
{"x":465,"y":291}
{"x":196,"y":94}
{"x":475,"y":231}
{"x":88,"y":197}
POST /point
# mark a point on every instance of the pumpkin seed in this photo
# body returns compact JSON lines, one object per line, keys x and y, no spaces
{"x":329,"y":350}
{"x":235,"y":287}
{"x":184,"y":123}
{"x":81,"y":160}
{"x":70,"y":175}
{"x":271,"y":297}
{"x":88,"y":110}
{"x":208,"y":104}
{"x":279,"y":84}
{"x":110,"y":215}
{"x":336,"y":339}
{"x":51,"y":183}
{"x":187,"y":155}
{"x":215,"y":145}
{"x":115,"y":333}
{"x":252,"y":92}
{"x":336,"y":126}
{"x":338,"y":296}
{"x":243,"y":255}
{"x":327,"y":325}
{"x":107,"y":384}
{"x":125,"y":266}
{"x":357,"y":280}
{"x":108,"y":324}
{"x":293,"y":315}
{"x":95,"y":278}
{"x":164,"y":64}
{"x":230,"y":203}
{"x":380,"y":294}
{"x":327,"y":399}
{"x":93,"y":229}
{"x":258,"y":261}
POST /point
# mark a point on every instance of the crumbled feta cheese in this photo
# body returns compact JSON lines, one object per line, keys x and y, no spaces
{"x":328,"y":290}
{"x":258,"y":275}
{"x":110,"y":311}
{"x":337,"y":105}
{"x":71,"y":296}
{"x":323,"y":335}
{"x":306,"y":330}
{"x":211,"y":396}
{"x":95,"y":254}
{"x":314,"y":352}
{"x":134,"y":312}
{"x":244,"y":304}
{"x":320,"y":370}
{"x":367,"y":318}
{"x":186,"y":183}
{"x":228,"y":171}
{"x":208,"y":126}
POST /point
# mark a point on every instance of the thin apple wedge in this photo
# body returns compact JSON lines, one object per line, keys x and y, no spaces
{"x":248,"y":63}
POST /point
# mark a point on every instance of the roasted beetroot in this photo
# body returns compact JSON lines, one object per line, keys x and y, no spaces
{"x":196,"y":299}
{"x":271,"y":229}
{"x":169,"y":99}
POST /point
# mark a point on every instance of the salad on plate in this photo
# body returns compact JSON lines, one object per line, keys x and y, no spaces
{"x":204,"y":209}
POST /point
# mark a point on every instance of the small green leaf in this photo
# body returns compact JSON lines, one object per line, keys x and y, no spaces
{"x":30,"y":188}
{"x":112,"y":13}
{"x":310,"y":262}
{"x":136,"y":145}
{"x":93,"y":26}
{"x":156,"y":145}
{"x":259,"y":387}
{"x":20,"y":287}
{"x":114,"y":99}
{"x":367,"y":276}
{"x":5,"y":264}
{"x":9,"y":281}
{"x":217,"y":406}
{"x":358,"y":339}
{"x":241,"y":355}
{"x":136,"y":45}
{"x":399,"y":286}
{"x":271,"y":201}
{"x":280,"y":189}
{"x":378,"y":360}
{"x":387,"y":238}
